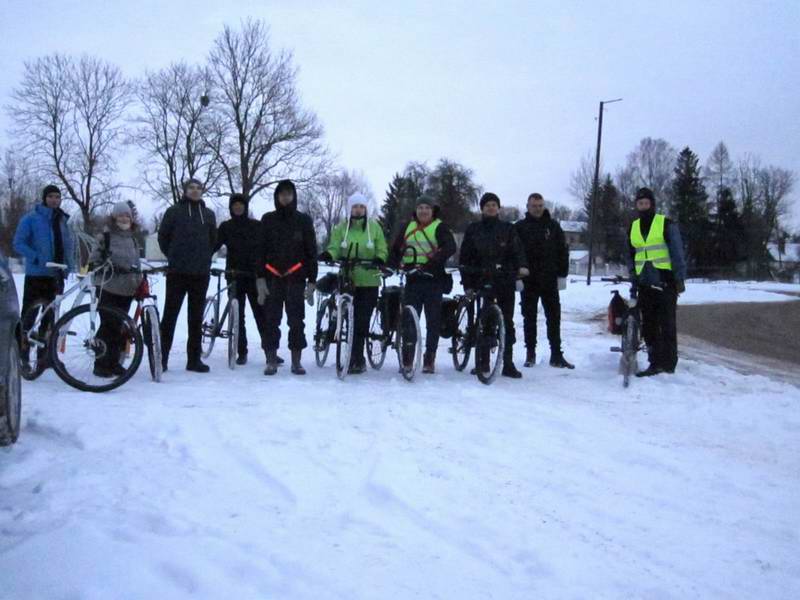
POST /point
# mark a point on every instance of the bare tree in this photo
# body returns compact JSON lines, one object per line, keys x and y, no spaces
{"x":719,"y":170}
{"x":19,"y":190}
{"x":265,"y":134}
{"x":582,"y":178}
{"x":175,"y":131}
{"x":626,"y":182}
{"x":68,"y":114}
{"x":651,"y":165}
{"x":328,"y":199}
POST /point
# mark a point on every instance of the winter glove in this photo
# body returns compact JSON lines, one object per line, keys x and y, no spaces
{"x":325,"y":257}
{"x":378,"y":262}
{"x":680,"y":285}
{"x":263,"y":291}
{"x":562,"y":283}
{"x":309,"y":293}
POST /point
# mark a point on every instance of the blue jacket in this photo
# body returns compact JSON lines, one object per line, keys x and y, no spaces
{"x":34,"y":241}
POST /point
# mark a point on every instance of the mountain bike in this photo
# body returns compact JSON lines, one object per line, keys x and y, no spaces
{"x":394,"y":324}
{"x":626,"y":322}
{"x":73,"y":344}
{"x":147,"y":320}
{"x":225,"y":324}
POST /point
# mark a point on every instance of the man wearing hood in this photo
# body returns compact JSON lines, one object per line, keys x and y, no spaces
{"x":491,"y":249}
{"x":187,"y":236}
{"x":289,"y":270}
{"x":426,"y":244}
{"x":241,"y":235}
{"x":548,"y":260}
{"x":43,"y":236}
{"x":658,"y":270}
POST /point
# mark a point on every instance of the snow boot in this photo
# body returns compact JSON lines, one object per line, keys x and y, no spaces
{"x":509,"y":370}
{"x":297,"y":368}
{"x":197,"y":366}
{"x":241,"y":359}
{"x":429,"y":363}
{"x":649,"y":371}
{"x":272,"y":363}
{"x":557,"y":360}
{"x":530,"y":358}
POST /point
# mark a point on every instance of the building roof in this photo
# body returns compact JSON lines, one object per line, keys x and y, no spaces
{"x":573,"y":226}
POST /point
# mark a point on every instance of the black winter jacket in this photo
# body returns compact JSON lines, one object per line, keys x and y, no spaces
{"x":546,"y":249}
{"x":488,"y":243}
{"x":242,"y":237}
{"x":187,"y":237}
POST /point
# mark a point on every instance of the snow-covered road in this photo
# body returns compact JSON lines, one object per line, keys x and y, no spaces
{"x":562,"y":485}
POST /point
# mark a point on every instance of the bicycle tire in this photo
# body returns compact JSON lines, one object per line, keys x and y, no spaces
{"x":61,"y":334}
{"x":322,"y":333}
{"x":491,"y":334}
{"x":210,"y":328}
{"x":409,"y":320}
{"x":461,"y":343}
{"x":344,"y":336}
{"x":630,"y":349}
{"x":11,"y":397}
{"x":32,"y":370}
{"x":233,"y":332}
{"x":152,"y":339}
{"x":377,"y":339}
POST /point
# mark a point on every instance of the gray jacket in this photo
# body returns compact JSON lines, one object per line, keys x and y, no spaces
{"x":124,"y":254}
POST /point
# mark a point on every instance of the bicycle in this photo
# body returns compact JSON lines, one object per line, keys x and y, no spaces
{"x":627,"y":325}
{"x":396,"y":324}
{"x":73,"y":344}
{"x":226,"y":324}
{"x":480,"y":325}
{"x":148,"y":321}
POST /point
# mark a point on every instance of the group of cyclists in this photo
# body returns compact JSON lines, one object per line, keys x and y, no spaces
{"x":274,"y":262}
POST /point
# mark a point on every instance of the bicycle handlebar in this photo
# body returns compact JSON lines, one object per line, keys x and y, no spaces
{"x":233,"y":273}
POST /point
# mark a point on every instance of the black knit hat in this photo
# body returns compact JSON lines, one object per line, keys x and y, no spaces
{"x":190,"y":181}
{"x":50,"y":189}
{"x":645,"y":192}
{"x":426,"y":199}
{"x":489,"y":197}
{"x":236,"y":197}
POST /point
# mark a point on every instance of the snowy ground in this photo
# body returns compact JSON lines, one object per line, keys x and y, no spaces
{"x":562,"y":485}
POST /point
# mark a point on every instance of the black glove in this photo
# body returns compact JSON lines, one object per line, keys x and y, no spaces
{"x":378,"y":262}
{"x":680,"y":285}
{"x":325,"y":257}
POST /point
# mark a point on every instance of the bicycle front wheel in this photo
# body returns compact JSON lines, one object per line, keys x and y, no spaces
{"x":210,"y":326}
{"x":490,"y":343}
{"x":344,"y":336}
{"x":152,"y":340}
{"x":461,"y":342}
{"x":95,"y":351}
{"x":377,"y":339}
{"x":325,"y":331}
{"x":409,"y":343}
{"x":630,"y":348}
{"x":233,"y":332}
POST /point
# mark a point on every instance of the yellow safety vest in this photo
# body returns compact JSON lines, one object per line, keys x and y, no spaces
{"x":421,"y":239}
{"x":654,"y":249}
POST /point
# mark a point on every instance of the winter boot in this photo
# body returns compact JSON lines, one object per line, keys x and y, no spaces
{"x":297,"y":368}
{"x":509,"y":370}
{"x":272,"y":363}
{"x":279,"y":360}
{"x":197,"y":366}
{"x":557,"y":360}
{"x":649,"y":371}
{"x":242,"y":359}
{"x":429,"y":363}
{"x":530,"y":358}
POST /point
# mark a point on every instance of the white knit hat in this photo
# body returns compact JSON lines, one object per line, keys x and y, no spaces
{"x":354,"y":200}
{"x":357,"y":198}
{"x":121,"y":209}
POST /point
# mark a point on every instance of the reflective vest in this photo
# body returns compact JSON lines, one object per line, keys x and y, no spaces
{"x":422,"y":240}
{"x":654,"y":249}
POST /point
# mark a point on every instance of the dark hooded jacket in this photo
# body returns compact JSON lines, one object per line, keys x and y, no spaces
{"x":187,"y":237}
{"x":488,"y":243}
{"x":288,"y":238}
{"x":546,"y":249}
{"x":445,"y":242}
{"x":242,"y":237}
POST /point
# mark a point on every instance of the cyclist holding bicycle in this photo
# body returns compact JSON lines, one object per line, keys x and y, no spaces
{"x":658,"y":271}
{"x":426,"y":243}
{"x":359,"y":238}
{"x":241,"y":235}
{"x":492,"y":250}
{"x":117,"y":243}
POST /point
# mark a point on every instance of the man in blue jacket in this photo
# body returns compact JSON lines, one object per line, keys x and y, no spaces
{"x":43,"y":236}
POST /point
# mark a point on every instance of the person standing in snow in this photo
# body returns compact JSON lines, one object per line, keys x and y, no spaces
{"x":426,"y":243}
{"x":43,"y":236}
{"x":289,"y":274}
{"x":548,"y":261}
{"x":359,"y":238}
{"x":117,"y":243}
{"x":658,"y":270}
{"x":241,"y":235}
{"x":487,"y":244}
{"x":187,"y":236}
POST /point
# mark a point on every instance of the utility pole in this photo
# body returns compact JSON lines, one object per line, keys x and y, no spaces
{"x":594,"y":188}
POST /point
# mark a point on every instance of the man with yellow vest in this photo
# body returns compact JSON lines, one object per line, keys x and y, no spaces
{"x":426,"y":243}
{"x":658,"y":269}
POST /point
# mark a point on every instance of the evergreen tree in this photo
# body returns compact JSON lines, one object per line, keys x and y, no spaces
{"x":452,"y":186}
{"x":609,"y":222}
{"x":689,"y":208}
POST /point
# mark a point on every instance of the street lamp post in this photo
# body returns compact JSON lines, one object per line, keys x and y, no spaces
{"x":594,"y":188}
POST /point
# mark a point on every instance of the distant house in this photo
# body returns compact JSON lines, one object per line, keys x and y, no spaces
{"x":151,"y":249}
{"x":785,"y":264}
{"x":573,"y":231}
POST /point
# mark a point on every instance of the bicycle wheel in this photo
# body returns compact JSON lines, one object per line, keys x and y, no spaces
{"x":490,"y":343}
{"x":77,"y":348}
{"x":326,"y":326}
{"x":461,"y":342}
{"x":233,"y":332}
{"x":344,"y":336}
{"x":33,"y":342}
{"x":10,"y":397}
{"x":409,"y":343}
{"x":630,"y":347}
{"x":210,"y":326}
{"x":152,"y":340}
{"x":377,"y":338}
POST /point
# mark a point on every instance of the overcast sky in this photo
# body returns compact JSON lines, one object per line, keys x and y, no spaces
{"x":509,"y":89}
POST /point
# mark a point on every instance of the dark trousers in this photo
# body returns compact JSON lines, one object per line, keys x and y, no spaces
{"x":552,"y":312}
{"x":660,"y":326}
{"x":180,"y":285}
{"x":39,"y":289}
{"x":246,"y":291}
{"x":364,"y":301}
{"x":110,"y":331}
{"x":426,"y":294}
{"x":286,"y":293}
